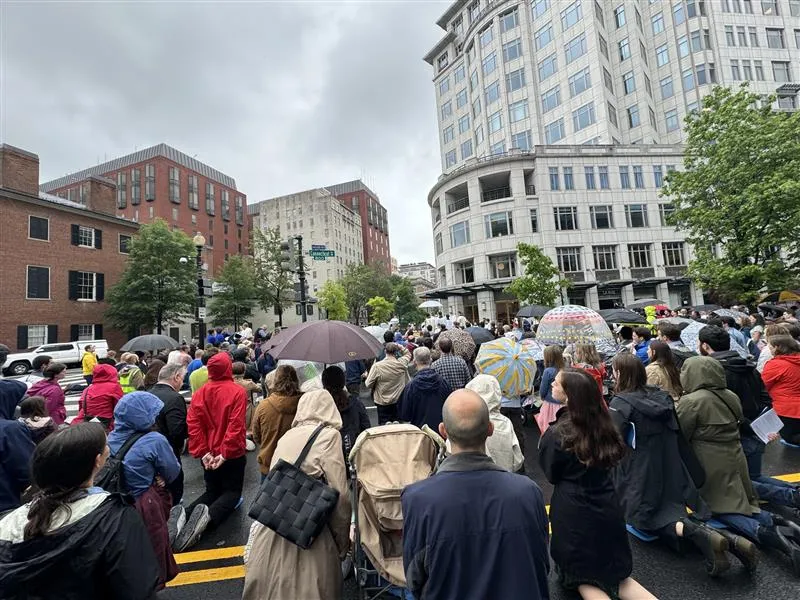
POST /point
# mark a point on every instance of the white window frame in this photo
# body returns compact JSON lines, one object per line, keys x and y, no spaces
{"x":83,"y":286}
{"x":83,"y":336}
{"x":506,"y":217}
{"x":464,"y":228}
{"x":604,"y":209}
{"x":640,"y":252}
{"x":605,"y":255}
{"x":82,"y":235}
{"x":569,"y":254}
{"x":42,"y":336}
{"x":674,"y":254}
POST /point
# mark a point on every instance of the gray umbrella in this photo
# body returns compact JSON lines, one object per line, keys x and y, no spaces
{"x":150,"y":343}
{"x":536,"y":311}
{"x":326,"y":342}
{"x":480,"y":334}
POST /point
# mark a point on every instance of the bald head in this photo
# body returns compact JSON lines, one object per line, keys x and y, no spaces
{"x":466,"y":422}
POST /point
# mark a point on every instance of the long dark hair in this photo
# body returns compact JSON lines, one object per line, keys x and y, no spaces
{"x":630,"y":372}
{"x":333,"y":380}
{"x":587,"y":431}
{"x":61,"y":463}
{"x":153,"y":369}
{"x":662,"y":355}
{"x":33,"y":406}
{"x":52,"y":370}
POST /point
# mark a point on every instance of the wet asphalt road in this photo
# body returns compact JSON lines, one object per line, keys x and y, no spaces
{"x":664,"y":573}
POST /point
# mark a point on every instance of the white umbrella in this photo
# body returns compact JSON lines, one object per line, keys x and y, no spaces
{"x":431,"y":304}
{"x":376,"y":332}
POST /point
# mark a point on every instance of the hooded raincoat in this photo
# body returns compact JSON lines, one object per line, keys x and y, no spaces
{"x":277,"y":569}
{"x":782,"y":377}
{"x":16,"y":446}
{"x":422,"y":399}
{"x":216,"y":417}
{"x":502,"y":446}
{"x":709,"y":415}
{"x":53,"y":398}
{"x":652,"y":482}
{"x":96,"y":551}
{"x":273,"y":417}
{"x":100,"y":398}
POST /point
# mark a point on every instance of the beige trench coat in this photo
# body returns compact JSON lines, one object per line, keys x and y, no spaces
{"x":276,"y":568}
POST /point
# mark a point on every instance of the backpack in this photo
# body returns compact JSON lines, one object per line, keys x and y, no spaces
{"x":111,"y":477}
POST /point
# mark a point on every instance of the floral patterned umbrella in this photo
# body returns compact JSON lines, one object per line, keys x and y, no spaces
{"x":574,"y":324}
{"x":535,"y":347}
{"x":463,"y":344}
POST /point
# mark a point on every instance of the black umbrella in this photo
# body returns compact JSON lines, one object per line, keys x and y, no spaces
{"x":645,"y":302}
{"x":772,"y":308}
{"x":326,"y":342}
{"x":480,"y":334}
{"x":706,"y":307}
{"x":536,"y":311}
{"x":150,"y":343}
{"x":622,"y":315}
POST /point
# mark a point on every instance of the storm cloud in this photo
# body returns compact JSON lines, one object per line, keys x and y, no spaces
{"x":282,"y":96}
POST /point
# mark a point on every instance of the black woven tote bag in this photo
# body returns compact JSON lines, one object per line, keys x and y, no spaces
{"x":293,"y":504}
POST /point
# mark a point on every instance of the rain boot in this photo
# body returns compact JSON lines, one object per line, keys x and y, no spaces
{"x":742,"y":548}
{"x":780,"y":539}
{"x":712,"y":545}
{"x":786,"y":522}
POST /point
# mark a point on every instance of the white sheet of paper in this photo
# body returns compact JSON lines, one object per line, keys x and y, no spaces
{"x":765,"y":424}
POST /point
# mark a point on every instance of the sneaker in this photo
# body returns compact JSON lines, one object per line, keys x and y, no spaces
{"x":239,"y":503}
{"x":176,"y":521}
{"x":250,"y":445}
{"x":194,"y":528}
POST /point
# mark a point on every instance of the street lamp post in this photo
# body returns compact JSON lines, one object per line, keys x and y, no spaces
{"x":199,"y":242}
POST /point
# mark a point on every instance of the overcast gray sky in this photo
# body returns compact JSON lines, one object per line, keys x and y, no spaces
{"x":283,"y":96}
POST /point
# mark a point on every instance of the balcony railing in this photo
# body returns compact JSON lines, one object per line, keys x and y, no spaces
{"x":496,"y":194}
{"x":456,"y":205}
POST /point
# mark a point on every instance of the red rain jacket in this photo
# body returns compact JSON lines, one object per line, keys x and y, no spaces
{"x":100,"y":398}
{"x":781,"y":376}
{"x":216,"y":417}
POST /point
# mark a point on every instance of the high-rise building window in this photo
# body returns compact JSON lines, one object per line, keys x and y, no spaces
{"x":775,"y":38}
{"x":666,"y":88}
{"x":554,"y":131}
{"x":678,"y":16}
{"x":175,"y":185}
{"x":548,"y":67}
{"x":588,"y":173}
{"x":518,"y":111}
{"x":499,"y":224}
{"x":512,"y":50}
{"x":633,"y":116}
{"x":497,"y":148}
{"x":605,"y":258}
{"x":496,"y":122}
{"x":603,"y":45}
{"x":688,"y":79}
{"x":569,"y":180}
{"x":769,"y":7}
{"x":136,"y":187}
{"x":450,"y":159}
{"x":638,"y":177}
{"x":473,"y":81}
{"x":447,"y":110}
{"x":466,"y":149}
{"x":671,"y":119}
{"x":569,"y":259}
{"x":489,"y":64}
{"x":619,"y":16}
{"x":459,"y":73}
{"x":149,"y":182}
{"x":476,"y":108}
{"x":521,"y":140}
{"x":502,"y":266}
{"x":781,"y":71}
{"x":461,"y":98}
{"x":444,"y":86}
{"x":575,"y":48}
{"x":662,"y":55}
{"x":657,"y":21}
{"x":122,"y":189}
{"x":759,"y":70}
{"x":602,"y":173}
{"x":639,"y":256}
{"x":665,"y":211}
{"x":555,"y":181}
{"x":492,"y":93}
{"x":486,"y":36}
{"x":543,"y":36}
{"x":571,"y":15}
{"x":551,"y":98}
{"x":566,"y":218}
{"x":612,"y":114}
{"x":194,"y":200}
{"x":624,"y":178}
{"x":515,"y":80}
{"x":794,"y":8}
{"x":753,"y":33}
{"x":730,"y":40}
{"x":602,"y":216}
{"x":459,"y":234}
{"x":629,"y":82}
{"x":448,"y":134}
{"x":658,"y":176}
{"x":580,"y":82}
{"x":463,"y":124}
{"x":210,"y":199}
{"x":624,"y":49}
{"x":534,"y":214}
{"x":674,"y":254}
{"x":583,"y":116}
{"x":539,"y":7}
{"x":509,"y":20}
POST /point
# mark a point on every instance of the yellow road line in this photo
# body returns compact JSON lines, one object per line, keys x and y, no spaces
{"x":205,"y":555}
{"x":237,"y":571}
{"x":207,"y":575}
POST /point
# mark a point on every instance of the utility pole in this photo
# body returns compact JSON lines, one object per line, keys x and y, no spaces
{"x":301,"y":274}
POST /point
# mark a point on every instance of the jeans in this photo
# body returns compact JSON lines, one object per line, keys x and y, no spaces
{"x":176,"y":487}
{"x":223,"y":490}
{"x":791,"y":430}
{"x":515,"y":416}
{"x":88,"y":379}
{"x":767,"y":488}
{"x":387,"y":413}
{"x":747,"y":526}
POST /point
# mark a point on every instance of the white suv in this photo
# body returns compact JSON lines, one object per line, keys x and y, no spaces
{"x":68,"y":353}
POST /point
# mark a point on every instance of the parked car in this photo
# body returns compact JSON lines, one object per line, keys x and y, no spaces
{"x":68,"y":353}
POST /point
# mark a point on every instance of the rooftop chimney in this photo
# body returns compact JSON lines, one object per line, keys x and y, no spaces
{"x":101,"y":194}
{"x":19,"y":170}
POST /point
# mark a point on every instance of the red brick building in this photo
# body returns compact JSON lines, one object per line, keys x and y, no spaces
{"x":59,"y":257}
{"x":162,"y":182}
{"x":356,"y":196}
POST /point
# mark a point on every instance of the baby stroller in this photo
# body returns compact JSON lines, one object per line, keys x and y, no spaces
{"x":383,"y":461}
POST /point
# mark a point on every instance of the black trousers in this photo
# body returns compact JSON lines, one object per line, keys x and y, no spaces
{"x":176,"y":487}
{"x":223,"y":490}
{"x":790,"y":431}
{"x":387,"y":413}
{"x":515,"y":416}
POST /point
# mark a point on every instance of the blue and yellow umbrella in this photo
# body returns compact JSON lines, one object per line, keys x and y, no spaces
{"x":510,"y":362}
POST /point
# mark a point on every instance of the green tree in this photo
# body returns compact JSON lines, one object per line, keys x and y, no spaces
{"x":540,"y":284}
{"x":274,"y":287}
{"x":333,"y":299}
{"x":362,"y":282}
{"x":406,"y":301}
{"x":737,"y":198}
{"x":236,"y":298}
{"x":380,"y":310}
{"x":156,"y":287}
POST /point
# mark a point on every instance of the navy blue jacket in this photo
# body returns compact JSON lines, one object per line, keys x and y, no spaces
{"x":11,"y":394}
{"x":474,"y":530}
{"x":422,"y":399}
{"x":16,"y":451}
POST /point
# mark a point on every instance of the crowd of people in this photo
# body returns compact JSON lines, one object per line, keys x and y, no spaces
{"x":628,"y":441}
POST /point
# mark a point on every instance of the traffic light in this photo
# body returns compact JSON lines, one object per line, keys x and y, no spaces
{"x":289,"y":255}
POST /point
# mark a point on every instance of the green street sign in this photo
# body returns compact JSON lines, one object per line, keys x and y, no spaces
{"x":321,"y":254}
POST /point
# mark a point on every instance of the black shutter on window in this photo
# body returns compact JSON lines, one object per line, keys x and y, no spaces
{"x":76,"y":234}
{"x":52,"y":334}
{"x":98,"y":331}
{"x":99,"y":286}
{"x":22,"y":337}
{"x":73,"y":286}
{"x":73,"y":333}
{"x":98,"y":239}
